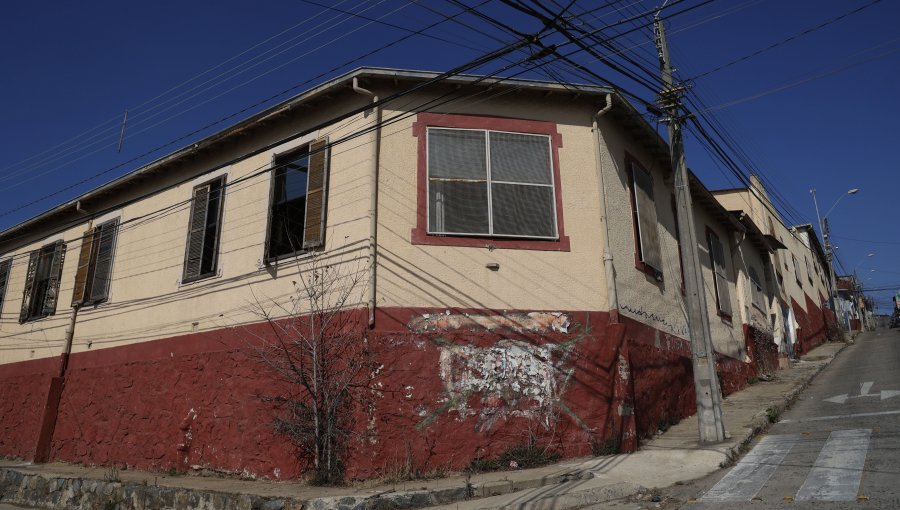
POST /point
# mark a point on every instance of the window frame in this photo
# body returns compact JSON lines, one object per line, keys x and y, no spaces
{"x":710,"y":235}
{"x":5,"y":272}
{"x":305,"y":246}
{"x":630,"y":163}
{"x":96,"y":239}
{"x":223,"y":179}
{"x":420,"y":234}
{"x":30,"y":289}
{"x":757,"y":292}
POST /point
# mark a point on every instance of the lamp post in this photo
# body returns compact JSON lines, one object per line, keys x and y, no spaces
{"x":823,"y":229}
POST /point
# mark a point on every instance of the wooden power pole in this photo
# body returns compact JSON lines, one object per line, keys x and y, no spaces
{"x":706,"y":384}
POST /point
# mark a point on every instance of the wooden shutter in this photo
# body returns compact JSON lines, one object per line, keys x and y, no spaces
{"x":196,"y":233}
{"x":717,"y":259}
{"x":56,"y":266}
{"x":316,"y":191}
{"x":103,"y":261}
{"x":648,"y":232}
{"x":5,"y":266}
{"x":29,"y":284}
{"x":84,"y":263}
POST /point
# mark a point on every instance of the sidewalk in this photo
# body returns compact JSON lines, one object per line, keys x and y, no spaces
{"x":669,"y":458}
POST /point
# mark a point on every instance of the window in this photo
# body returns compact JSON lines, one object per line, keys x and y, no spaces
{"x":5,"y":266}
{"x":643,"y":208}
{"x":808,"y":273}
{"x":756,"y":290}
{"x":204,"y":230}
{"x":720,"y":276}
{"x":42,"y":281}
{"x":490,"y":183}
{"x":796,"y":270}
{"x":95,"y":264}
{"x":297,"y":206}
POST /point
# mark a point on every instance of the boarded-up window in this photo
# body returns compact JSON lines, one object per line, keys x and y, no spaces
{"x":5,"y":267}
{"x":490,"y":183}
{"x":298,"y":203}
{"x":720,"y":279}
{"x":646,"y":223}
{"x":204,"y":229}
{"x":95,"y":264}
{"x":41,"y":291}
{"x":796,"y":270}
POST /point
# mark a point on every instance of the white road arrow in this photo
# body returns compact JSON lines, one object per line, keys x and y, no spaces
{"x":863,"y":392}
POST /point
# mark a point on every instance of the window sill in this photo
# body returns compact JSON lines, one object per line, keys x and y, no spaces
{"x":649,"y":270}
{"x":192,"y":281}
{"x":421,"y":237}
{"x":36,"y":319}
{"x":726,"y":317}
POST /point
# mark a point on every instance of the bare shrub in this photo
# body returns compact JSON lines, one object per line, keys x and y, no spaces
{"x":317,"y":344}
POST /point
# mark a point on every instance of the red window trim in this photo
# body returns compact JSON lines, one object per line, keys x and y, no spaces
{"x":639,"y":264}
{"x":712,"y":265}
{"x":420,"y":233}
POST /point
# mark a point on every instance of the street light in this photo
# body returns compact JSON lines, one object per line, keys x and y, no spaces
{"x":861,"y":261}
{"x":823,"y":229}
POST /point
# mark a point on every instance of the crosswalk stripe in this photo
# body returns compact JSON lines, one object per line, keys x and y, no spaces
{"x":746,"y":479}
{"x":837,"y":472}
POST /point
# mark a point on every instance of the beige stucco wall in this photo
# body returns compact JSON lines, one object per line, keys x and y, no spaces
{"x":451,"y":276}
{"x":147,"y":299}
{"x":641,"y":297}
{"x":44,"y":337}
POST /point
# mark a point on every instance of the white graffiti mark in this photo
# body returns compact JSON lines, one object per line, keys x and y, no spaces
{"x":519,"y":322}
{"x":510,"y":378}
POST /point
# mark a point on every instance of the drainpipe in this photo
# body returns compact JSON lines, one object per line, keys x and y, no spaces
{"x":373,"y":201}
{"x":611,"y":291}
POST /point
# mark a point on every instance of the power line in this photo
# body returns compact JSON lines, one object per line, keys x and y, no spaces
{"x":785,"y":41}
{"x":227,"y":117}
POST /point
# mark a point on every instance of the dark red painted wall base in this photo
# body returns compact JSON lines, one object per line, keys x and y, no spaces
{"x":440,"y":398}
{"x":813,"y":324}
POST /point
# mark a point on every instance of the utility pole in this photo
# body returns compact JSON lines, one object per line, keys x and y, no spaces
{"x":706,"y":383}
{"x":832,"y":289}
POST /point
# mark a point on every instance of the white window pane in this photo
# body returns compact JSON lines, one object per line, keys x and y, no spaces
{"x":520,"y":158}
{"x":523,"y":210}
{"x":456,"y":153}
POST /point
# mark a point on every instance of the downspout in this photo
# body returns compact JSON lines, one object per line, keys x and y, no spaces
{"x":611,"y":290}
{"x":373,"y":199}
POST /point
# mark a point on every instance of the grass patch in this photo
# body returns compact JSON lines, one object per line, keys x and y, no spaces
{"x":773,"y":414}
{"x":608,"y":446}
{"x":523,"y":456}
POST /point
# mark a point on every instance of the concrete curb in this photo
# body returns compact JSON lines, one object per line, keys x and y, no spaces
{"x":762,"y":422}
{"x":64,"y":493}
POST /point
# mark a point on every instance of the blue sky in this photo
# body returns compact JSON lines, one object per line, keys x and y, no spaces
{"x":73,"y":69}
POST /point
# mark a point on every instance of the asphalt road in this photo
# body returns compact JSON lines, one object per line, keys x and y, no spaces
{"x":837,"y":447}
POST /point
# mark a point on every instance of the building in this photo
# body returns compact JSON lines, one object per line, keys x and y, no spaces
{"x":518,"y":269}
{"x":798,"y":317}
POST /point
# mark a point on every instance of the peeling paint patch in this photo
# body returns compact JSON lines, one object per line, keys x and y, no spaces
{"x":510,"y":378}
{"x":537,"y":322}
